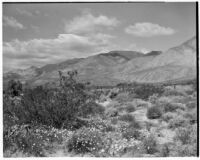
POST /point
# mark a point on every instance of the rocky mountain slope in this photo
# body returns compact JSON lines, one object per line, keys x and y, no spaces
{"x":119,"y":66}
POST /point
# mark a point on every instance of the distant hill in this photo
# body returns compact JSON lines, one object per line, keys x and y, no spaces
{"x":115,"y":67}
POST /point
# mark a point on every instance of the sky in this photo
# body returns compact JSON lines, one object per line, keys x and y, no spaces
{"x":36,"y":34}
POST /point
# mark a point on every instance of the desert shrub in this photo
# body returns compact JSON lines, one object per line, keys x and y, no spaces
{"x":191,"y":105}
{"x":114,"y":120}
{"x":178,"y":121}
{"x":154,"y":112}
{"x":171,"y":107}
{"x":55,"y":107}
{"x":92,"y":108}
{"x":85,"y":140}
{"x":144,"y":91}
{"x":131,"y":133}
{"x":173,"y":92}
{"x":165,"y":150}
{"x":191,"y":116}
{"x":186,"y":134}
{"x":127,"y":118}
{"x":112,"y":112}
{"x":14,"y":88}
{"x":19,"y":138}
{"x":150,"y":144}
{"x":153,"y":99}
{"x":130,"y":107}
{"x":169,"y":115}
{"x":123,"y":97}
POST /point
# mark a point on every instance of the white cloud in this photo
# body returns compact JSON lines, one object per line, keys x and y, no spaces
{"x":12,"y":22}
{"x":87,"y":23}
{"x":147,"y":29}
{"x":38,"y":52}
{"x":28,"y":13}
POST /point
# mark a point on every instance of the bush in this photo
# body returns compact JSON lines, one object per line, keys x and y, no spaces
{"x":127,"y":118}
{"x":169,"y":115}
{"x":144,"y":91}
{"x":173,"y":92}
{"x":154,"y":112}
{"x":170,"y":107}
{"x":191,"y":105}
{"x":178,"y":121}
{"x":55,"y":107}
{"x":130,"y":107}
{"x":123,"y":97}
{"x":185,"y":134}
{"x":150,"y":144}
{"x":131,"y":133}
{"x":85,"y":140}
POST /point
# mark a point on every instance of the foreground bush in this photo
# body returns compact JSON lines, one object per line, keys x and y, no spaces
{"x":55,"y":107}
{"x":85,"y":140}
{"x":154,"y":112}
{"x":150,"y":144}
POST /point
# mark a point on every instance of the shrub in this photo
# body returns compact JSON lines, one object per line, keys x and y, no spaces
{"x":130,"y":107}
{"x":85,"y":140}
{"x":165,"y":150}
{"x":144,"y":91}
{"x":170,"y":107}
{"x":131,"y":133}
{"x":154,"y":112}
{"x":186,"y":134}
{"x":178,"y":121}
{"x":127,"y":118}
{"x":150,"y":144}
{"x":153,"y":98}
{"x":191,"y":105}
{"x":123,"y":97}
{"x":169,"y":115}
{"x":173,"y":92}
{"x":54,"y":107}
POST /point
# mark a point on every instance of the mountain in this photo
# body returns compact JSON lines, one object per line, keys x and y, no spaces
{"x":115,"y":67}
{"x":176,"y":63}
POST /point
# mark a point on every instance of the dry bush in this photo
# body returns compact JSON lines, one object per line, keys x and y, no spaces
{"x":178,"y":121}
{"x":150,"y":144}
{"x":167,"y":116}
{"x":173,"y":92}
{"x":191,"y":105}
{"x":130,"y":107}
{"x":127,"y":118}
{"x":123,"y":97}
{"x":154,"y":112}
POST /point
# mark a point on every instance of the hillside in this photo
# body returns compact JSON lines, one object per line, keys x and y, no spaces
{"x":114,"y":67}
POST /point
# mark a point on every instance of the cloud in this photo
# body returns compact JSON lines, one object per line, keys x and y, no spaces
{"x":12,"y":22}
{"x":28,"y":13}
{"x":87,"y":23}
{"x":147,"y":29}
{"x":38,"y":52}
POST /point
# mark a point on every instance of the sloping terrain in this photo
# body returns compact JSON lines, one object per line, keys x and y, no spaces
{"x":119,"y":66}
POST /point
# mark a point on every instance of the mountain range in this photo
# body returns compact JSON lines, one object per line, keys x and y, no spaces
{"x":115,"y":67}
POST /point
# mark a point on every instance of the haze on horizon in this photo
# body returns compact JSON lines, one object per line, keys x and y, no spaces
{"x":41,"y":33}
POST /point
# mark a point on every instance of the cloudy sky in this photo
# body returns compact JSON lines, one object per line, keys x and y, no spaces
{"x":42,"y":33}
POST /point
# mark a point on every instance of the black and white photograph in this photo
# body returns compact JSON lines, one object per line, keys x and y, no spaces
{"x":100,"y":79}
